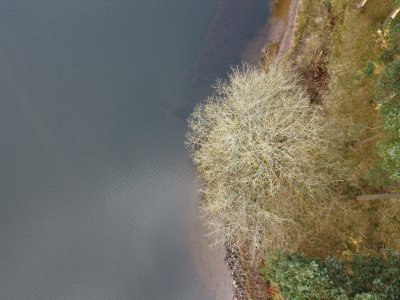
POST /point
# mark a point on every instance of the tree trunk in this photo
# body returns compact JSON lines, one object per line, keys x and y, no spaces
{"x":378,"y":197}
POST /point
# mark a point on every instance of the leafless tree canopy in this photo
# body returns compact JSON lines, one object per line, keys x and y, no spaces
{"x":266,"y":158}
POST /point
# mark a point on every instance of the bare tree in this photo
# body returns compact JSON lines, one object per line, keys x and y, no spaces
{"x":267,"y":159}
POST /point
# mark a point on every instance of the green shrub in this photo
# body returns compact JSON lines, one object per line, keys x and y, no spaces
{"x":365,"y":270}
{"x":389,"y":149}
{"x":393,"y":47}
{"x":388,"y":94}
{"x":388,"y":84}
{"x":387,"y":282}
{"x":359,"y":277}
{"x":369,"y":70}
{"x":366,"y":296}
{"x":302,"y":278}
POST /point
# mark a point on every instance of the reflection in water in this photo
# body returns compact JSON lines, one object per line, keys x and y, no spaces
{"x":94,"y":175}
{"x":234,"y":26}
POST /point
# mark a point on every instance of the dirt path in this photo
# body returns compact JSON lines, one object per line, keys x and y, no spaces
{"x":287,"y":40}
{"x":277,"y":34}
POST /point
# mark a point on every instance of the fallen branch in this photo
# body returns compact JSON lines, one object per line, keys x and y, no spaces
{"x":368,"y":140}
{"x":378,"y":197}
{"x":392,"y":16}
{"x":361,"y":4}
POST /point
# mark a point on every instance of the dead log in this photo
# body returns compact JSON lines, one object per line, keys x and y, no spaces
{"x":378,"y":197}
{"x":361,"y":4}
{"x":391,"y":16}
{"x":368,"y":140}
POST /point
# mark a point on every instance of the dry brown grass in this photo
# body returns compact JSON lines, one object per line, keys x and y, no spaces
{"x":348,"y":39}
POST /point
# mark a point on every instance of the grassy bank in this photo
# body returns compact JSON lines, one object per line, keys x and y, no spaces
{"x":336,"y":43}
{"x":348,"y":58}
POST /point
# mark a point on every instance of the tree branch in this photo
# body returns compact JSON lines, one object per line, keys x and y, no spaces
{"x":378,"y":197}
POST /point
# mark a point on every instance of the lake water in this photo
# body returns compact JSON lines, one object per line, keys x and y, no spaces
{"x":96,"y":188}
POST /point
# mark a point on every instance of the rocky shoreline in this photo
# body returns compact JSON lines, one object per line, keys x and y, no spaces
{"x":233,"y":259}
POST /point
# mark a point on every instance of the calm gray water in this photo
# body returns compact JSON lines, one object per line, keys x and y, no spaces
{"x":95,"y":180}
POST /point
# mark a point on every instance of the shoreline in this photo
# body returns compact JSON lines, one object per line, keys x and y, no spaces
{"x":276,"y":37}
{"x":279,"y":41}
{"x":231,"y":277}
{"x":282,"y":27}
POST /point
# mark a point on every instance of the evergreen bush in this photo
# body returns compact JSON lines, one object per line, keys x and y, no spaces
{"x":359,"y":277}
